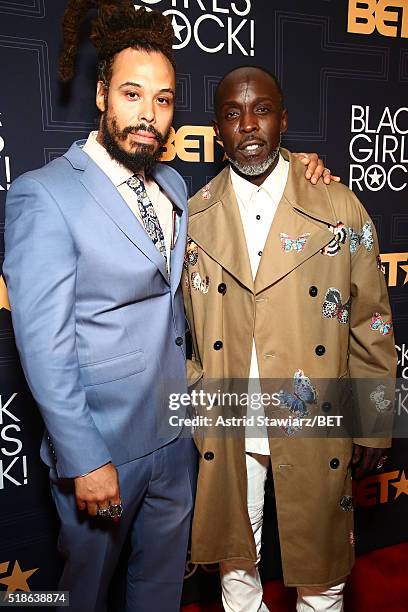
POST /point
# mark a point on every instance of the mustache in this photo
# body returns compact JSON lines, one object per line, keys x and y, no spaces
{"x":141,"y":127}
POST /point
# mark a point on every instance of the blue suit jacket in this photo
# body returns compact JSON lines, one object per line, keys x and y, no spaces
{"x":95,"y":317}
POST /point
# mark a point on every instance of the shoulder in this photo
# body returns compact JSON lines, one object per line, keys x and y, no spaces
{"x":210,"y":193}
{"x":347,"y":206}
{"x":169,"y":174}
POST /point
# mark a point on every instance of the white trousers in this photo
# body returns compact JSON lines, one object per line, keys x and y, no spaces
{"x":240,"y":580}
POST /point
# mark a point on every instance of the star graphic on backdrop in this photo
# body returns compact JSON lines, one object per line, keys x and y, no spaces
{"x":4,"y":567}
{"x":401,"y":485}
{"x":405,"y":268}
{"x":4,"y":301}
{"x":17,"y":581}
{"x":375,"y":177}
{"x":177,"y":28}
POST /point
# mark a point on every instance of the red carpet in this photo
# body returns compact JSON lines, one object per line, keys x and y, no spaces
{"x":379,"y":583}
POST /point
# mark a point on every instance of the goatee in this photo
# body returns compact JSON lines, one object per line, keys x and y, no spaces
{"x":145,"y":155}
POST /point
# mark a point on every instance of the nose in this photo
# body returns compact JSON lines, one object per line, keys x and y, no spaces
{"x":248,"y":122}
{"x":146,"y":111}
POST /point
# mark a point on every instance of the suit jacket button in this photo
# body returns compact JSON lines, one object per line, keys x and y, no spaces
{"x":334,"y":463}
{"x":320,"y":350}
{"x":179,"y":341}
{"x":209,"y":456}
{"x":326,"y":406}
{"x":312,"y":291}
{"x":218,"y":345}
{"x":222,"y":288}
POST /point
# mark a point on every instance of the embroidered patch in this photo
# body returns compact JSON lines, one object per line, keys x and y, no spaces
{"x":293,"y":244}
{"x":205,"y":192}
{"x":380,"y":264}
{"x":186,"y":281}
{"x":198,"y":283}
{"x":340,"y":236}
{"x":290,"y":430}
{"x":365,"y":237}
{"x":303,"y":393}
{"x":346,"y":503}
{"x":378,"y":324}
{"x":352,"y":539}
{"x":378,"y":398}
{"x":333,"y":307}
{"x":191,"y":254}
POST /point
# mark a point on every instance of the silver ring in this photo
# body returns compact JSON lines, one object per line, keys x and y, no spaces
{"x":115,"y":510}
{"x":328,"y":170}
{"x":104,"y":513}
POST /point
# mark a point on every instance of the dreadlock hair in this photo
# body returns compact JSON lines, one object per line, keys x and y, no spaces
{"x":117,"y":26}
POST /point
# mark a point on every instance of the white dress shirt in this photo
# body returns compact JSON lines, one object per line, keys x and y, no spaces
{"x":257,"y":206}
{"x":119,"y":174}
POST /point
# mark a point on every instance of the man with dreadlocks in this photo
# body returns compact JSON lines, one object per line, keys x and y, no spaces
{"x":102,"y":231}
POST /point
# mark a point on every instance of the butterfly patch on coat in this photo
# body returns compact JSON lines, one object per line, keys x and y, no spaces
{"x":191,"y":254}
{"x":289,"y":244}
{"x":340,"y":236}
{"x":333,"y":307}
{"x":205,"y":192}
{"x":198,"y":283}
{"x":303,"y":393}
{"x":378,"y":398}
{"x":365,"y":237}
{"x":380,"y":264}
{"x":378,"y":324}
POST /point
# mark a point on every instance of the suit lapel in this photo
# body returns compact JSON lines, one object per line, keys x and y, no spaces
{"x":108,"y":198}
{"x":177,"y":197}
{"x":304,"y":210}
{"x":218,"y":230}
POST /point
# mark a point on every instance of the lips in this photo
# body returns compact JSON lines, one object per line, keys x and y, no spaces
{"x":144,"y":136}
{"x":251,"y":147}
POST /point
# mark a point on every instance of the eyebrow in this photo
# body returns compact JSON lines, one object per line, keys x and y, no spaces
{"x":133,"y":84}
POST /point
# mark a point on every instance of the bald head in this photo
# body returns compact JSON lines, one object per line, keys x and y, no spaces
{"x":246,"y":74}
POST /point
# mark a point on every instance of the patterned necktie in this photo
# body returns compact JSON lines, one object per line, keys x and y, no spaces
{"x":148,"y":214}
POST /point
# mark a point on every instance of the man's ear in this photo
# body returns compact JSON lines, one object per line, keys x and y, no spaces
{"x":284,"y":121}
{"x":216,"y":129}
{"x":101,"y":96}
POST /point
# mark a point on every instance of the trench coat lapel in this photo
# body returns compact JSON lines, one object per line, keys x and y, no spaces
{"x":103,"y":191}
{"x":216,"y":227}
{"x":303,"y":209}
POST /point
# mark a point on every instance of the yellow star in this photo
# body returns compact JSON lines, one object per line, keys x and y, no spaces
{"x":401,"y":485}
{"x":4,"y":301}
{"x":17,"y":581}
{"x":405,"y":268}
{"x":4,"y":567}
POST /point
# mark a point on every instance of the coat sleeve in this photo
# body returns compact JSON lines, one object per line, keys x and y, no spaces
{"x":372,"y":354}
{"x":40,"y":271}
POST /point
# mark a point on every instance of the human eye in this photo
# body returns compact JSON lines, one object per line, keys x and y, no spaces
{"x":164,"y":101}
{"x":132,"y":95}
{"x":231,"y":114}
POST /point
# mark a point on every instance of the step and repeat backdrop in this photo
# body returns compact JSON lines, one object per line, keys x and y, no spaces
{"x":343,"y":66}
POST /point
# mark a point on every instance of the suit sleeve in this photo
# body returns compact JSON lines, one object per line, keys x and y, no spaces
{"x":372,"y":354}
{"x":40,"y":271}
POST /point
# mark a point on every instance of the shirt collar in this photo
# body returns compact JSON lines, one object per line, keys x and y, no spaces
{"x":116,"y":172}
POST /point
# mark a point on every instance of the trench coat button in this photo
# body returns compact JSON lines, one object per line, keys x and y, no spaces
{"x":218,"y":345}
{"x":334,"y":463}
{"x":258,"y":217}
{"x":222,"y":288}
{"x":179,"y":341}
{"x":326,"y":406}
{"x":320,"y":350}
{"x":260,"y":253}
{"x":209,"y":456}
{"x":312,"y":291}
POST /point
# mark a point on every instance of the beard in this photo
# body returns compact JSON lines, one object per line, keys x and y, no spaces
{"x":256,"y":169}
{"x":144,"y":155}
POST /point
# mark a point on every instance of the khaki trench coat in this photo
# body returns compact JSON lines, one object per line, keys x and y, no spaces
{"x":282,"y":310}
